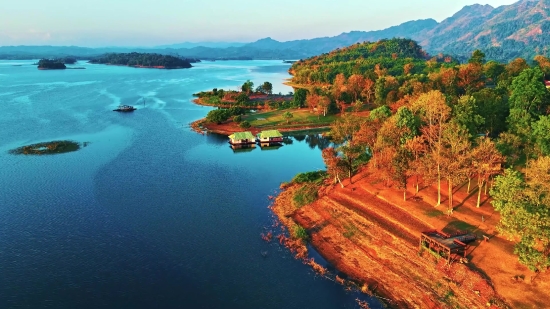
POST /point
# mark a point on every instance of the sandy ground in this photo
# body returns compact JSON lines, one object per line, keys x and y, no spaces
{"x":367,"y":231}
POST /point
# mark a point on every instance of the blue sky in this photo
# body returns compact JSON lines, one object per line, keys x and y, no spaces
{"x":156,"y":22}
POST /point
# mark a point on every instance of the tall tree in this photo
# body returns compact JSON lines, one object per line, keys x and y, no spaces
{"x":267,"y":87}
{"x":435,"y":113}
{"x":300,"y":96}
{"x":528,"y":101}
{"x":454,"y":157}
{"x":356,"y":84}
{"x":487,"y":162}
{"x":524,"y":206}
{"x":368,"y":90}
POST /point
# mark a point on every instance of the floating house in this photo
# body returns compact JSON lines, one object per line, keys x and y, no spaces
{"x":241,"y":138}
{"x":270,"y":136}
{"x":446,"y":245}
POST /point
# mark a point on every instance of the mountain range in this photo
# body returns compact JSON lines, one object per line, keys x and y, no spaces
{"x":503,"y":33}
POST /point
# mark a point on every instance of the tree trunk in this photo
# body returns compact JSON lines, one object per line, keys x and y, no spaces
{"x":479,"y":189}
{"x":469,"y":182}
{"x":486,"y":185}
{"x":405,"y":194}
{"x":450,"y":182}
{"x":416,"y":184}
{"x":341,"y":184}
{"x":438,"y":186}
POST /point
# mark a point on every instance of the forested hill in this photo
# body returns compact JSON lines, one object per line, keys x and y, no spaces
{"x":394,"y":57}
{"x":144,"y":60}
{"x":503,"y":33}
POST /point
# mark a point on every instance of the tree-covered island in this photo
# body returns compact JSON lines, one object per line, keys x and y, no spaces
{"x":421,"y":143}
{"x":51,"y":64}
{"x":144,"y":60}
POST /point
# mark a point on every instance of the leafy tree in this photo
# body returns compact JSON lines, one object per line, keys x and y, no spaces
{"x":381,"y":113}
{"x":217,"y":115}
{"x":405,"y":118}
{"x":334,"y":164}
{"x":486,"y":161}
{"x":454,"y":157}
{"x":344,"y":128}
{"x":524,"y":206}
{"x":478,"y":57}
{"x":435,"y":113}
{"x":267,"y":87}
{"x":300,"y":96}
{"x":242,"y":99}
{"x":541,"y":135}
{"x":288,"y":116}
{"x":465,"y":114}
{"x":356,"y":84}
{"x":247,"y":87}
{"x":492,"y":106}
{"x":528,"y":101}
{"x":401,"y":166}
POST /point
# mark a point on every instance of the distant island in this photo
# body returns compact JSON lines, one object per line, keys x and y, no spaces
{"x":144,"y":60}
{"x":46,"y":148}
{"x":51,"y":64}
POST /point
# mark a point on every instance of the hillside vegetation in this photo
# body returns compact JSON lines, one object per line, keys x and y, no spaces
{"x":433,"y":121}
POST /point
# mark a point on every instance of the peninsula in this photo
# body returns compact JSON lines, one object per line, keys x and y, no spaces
{"x":144,"y":60}
{"x":427,"y":146}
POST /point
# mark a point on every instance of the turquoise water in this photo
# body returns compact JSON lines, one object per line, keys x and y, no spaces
{"x":148,"y":214}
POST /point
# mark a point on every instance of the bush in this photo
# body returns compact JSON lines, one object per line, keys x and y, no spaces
{"x":300,"y":233}
{"x":310,"y":177}
{"x":245,"y":124}
{"x":307,"y":194}
{"x":237,"y":118}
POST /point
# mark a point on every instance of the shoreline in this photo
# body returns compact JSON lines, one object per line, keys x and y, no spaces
{"x":366,"y":231}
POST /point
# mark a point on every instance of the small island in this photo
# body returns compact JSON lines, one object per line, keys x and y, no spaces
{"x":144,"y":60}
{"x":51,"y":64}
{"x":46,"y":148}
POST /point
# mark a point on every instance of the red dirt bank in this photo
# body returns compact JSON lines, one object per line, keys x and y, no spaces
{"x":366,"y":231}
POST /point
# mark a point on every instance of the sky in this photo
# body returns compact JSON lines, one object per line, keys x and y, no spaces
{"x":97,"y":23}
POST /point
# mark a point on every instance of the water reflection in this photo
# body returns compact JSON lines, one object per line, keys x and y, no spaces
{"x":243,"y":148}
{"x":270,"y":146}
{"x":314,"y":140}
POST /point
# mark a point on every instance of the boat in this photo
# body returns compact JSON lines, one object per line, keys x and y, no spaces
{"x":124,"y":108}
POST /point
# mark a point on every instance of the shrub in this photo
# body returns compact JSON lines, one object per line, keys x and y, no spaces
{"x":310,"y":177}
{"x":300,"y":233}
{"x":307,"y":194}
{"x":237,"y":119}
{"x":245,"y":124}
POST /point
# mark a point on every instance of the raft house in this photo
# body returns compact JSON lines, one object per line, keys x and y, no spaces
{"x":242,"y":138}
{"x":448,"y":246}
{"x":270,"y":136}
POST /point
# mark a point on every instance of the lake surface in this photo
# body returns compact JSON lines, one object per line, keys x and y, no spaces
{"x":148,"y":214}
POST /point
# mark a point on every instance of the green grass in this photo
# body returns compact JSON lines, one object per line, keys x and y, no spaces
{"x":315,"y":177}
{"x":433,"y":213}
{"x":306,"y":194}
{"x":300,"y":232}
{"x":301,"y":117}
{"x":458,"y":225}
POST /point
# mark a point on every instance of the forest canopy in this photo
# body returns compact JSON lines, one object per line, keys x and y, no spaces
{"x":419,"y":120}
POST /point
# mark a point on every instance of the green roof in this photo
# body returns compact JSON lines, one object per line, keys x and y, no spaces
{"x":241,"y":135}
{"x":270,"y":133}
